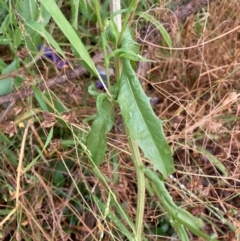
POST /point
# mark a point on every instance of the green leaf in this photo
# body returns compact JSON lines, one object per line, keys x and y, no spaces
{"x":40,"y":98}
{"x":92,"y":90}
{"x":17,"y":37}
{"x":48,"y":101}
{"x":28,"y":9}
{"x":213,"y":160}
{"x":4,"y":26}
{"x":4,"y":10}
{"x":176,"y":213}
{"x":3,"y":65}
{"x":114,"y":219}
{"x":6,"y":84}
{"x":4,"y":139}
{"x":103,"y":123}
{"x":40,"y":155}
{"x":159,"y":26}
{"x":10,"y":156}
{"x":128,"y":54}
{"x":69,"y":32}
{"x":111,"y":30}
{"x":58,"y":177}
{"x":44,"y":16}
{"x":40,"y":29}
{"x":75,"y":12}
{"x":55,"y":103}
{"x":128,"y":43}
{"x":180,"y":230}
{"x":143,"y":125}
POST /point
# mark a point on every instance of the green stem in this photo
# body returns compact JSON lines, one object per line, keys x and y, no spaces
{"x":98,"y":14}
{"x":137,"y":160}
{"x":104,"y":43}
{"x":116,"y":6}
{"x":106,"y":61}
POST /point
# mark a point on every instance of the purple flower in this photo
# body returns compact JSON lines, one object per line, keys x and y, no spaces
{"x":49,"y":54}
{"x":62,"y":64}
{"x":100,"y":86}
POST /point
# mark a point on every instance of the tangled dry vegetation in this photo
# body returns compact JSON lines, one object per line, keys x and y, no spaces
{"x":198,"y":90}
{"x":198,"y":87}
{"x":197,"y":84}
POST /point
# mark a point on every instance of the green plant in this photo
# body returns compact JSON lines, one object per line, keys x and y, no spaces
{"x":58,"y":159}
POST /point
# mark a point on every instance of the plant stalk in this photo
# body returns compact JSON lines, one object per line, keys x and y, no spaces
{"x":115,"y":5}
{"x":138,"y":164}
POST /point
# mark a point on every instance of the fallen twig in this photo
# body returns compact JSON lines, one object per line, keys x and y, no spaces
{"x":69,"y":75}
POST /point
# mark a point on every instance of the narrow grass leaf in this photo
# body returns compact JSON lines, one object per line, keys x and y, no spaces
{"x":58,"y":176}
{"x":10,"y":156}
{"x":44,"y":16}
{"x":177,"y":214}
{"x":40,"y":98}
{"x":6,"y":84}
{"x":114,"y":219}
{"x":144,"y":127}
{"x":75,"y":12}
{"x":4,"y":139}
{"x":56,"y":103}
{"x":213,"y":160}
{"x":102,"y":124}
{"x":52,"y":7}
{"x":4,"y":27}
{"x":159,"y":26}
{"x":129,"y":54}
{"x":49,"y":138}
{"x":182,"y":233}
{"x":40,"y":29}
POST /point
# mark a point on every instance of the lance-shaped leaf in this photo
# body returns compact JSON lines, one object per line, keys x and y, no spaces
{"x":102,"y":124}
{"x":143,"y":125}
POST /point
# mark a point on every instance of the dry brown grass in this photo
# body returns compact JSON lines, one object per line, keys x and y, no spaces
{"x":198,"y":87}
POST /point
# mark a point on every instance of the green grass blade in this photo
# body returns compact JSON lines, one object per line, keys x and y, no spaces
{"x":69,"y":32}
{"x":75,"y":12}
{"x":213,"y":160}
{"x":40,"y":29}
{"x":6,"y":84}
{"x":176,"y":214}
{"x":4,"y":139}
{"x":32,"y":163}
{"x":40,"y":98}
{"x":159,"y":26}
{"x":114,"y":219}
{"x":182,"y":233}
